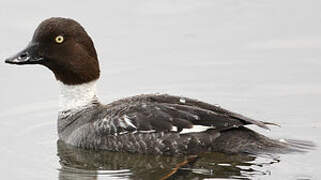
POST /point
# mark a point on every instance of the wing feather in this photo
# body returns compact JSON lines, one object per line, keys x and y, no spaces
{"x":163,"y":112}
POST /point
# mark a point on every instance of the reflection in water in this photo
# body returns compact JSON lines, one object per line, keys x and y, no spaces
{"x":84,"y":164}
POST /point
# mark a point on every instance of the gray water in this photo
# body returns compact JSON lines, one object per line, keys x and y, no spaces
{"x":260,"y":58}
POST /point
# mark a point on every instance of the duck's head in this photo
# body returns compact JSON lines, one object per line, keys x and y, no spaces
{"x":64,"y":47}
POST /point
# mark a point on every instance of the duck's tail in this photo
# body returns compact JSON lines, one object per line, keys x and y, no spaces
{"x":247,"y":141}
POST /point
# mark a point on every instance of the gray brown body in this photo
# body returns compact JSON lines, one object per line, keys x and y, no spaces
{"x":98,"y":127}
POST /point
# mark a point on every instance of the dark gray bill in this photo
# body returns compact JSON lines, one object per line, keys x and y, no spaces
{"x":26,"y":56}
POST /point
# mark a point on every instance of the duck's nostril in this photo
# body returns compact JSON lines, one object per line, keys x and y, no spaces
{"x":23,"y":55}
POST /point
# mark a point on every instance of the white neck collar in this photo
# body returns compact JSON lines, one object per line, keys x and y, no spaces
{"x":76,"y":96}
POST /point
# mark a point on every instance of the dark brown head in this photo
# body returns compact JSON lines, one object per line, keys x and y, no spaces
{"x":64,"y":47}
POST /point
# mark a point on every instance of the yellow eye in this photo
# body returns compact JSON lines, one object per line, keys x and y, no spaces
{"x":59,"y":39}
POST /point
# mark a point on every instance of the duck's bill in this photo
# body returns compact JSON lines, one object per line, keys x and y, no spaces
{"x":26,"y":56}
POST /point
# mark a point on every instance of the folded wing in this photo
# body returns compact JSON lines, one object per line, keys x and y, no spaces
{"x":164,"y":113}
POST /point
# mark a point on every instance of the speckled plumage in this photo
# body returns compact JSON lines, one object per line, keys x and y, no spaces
{"x":152,"y":117}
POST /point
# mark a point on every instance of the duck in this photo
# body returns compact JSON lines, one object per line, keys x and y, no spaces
{"x":159,"y":124}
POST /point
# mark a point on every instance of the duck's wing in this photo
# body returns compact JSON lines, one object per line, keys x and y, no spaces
{"x":147,"y":113}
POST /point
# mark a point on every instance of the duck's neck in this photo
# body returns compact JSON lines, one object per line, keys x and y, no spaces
{"x":76,"y":96}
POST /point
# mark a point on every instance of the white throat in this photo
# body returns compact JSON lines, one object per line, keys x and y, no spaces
{"x":76,"y":96}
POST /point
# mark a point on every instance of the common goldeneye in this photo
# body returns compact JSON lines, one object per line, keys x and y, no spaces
{"x":149,"y":123}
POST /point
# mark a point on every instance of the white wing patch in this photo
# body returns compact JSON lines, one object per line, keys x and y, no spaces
{"x":195,"y":128}
{"x":174,"y":128}
{"x":147,"y":131}
{"x":128,"y":122}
